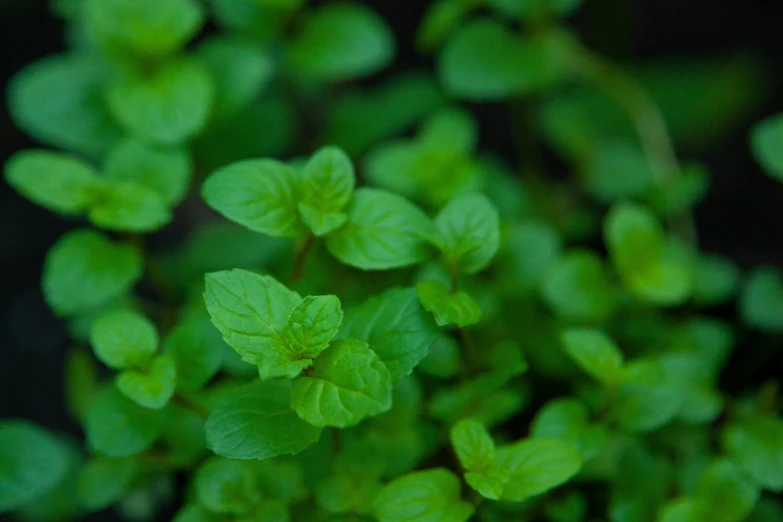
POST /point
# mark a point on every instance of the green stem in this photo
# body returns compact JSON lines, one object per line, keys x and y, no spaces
{"x":648,"y":122}
{"x":190,"y":405}
{"x":301,"y":257}
{"x":337,"y":440}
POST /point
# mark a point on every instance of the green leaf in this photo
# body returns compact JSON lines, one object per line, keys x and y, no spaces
{"x":103,"y":482}
{"x":473,"y":445}
{"x":341,"y":42}
{"x":32,"y":462}
{"x":649,"y":267}
{"x":383,"y":231}
{"x":618,"y":170}
{"x":56,"y":181}
{"x":441,"y":19}
{"x":340,"y":494}
{"x":443,"y":360}
{"x":530,"y":249}
{"x":252,"y":312}
{"x":728,"y":491}
{"x":562,"y":419}
{"x":153,"y":387}
{"x":766,"y":141}
{"x":595,"y":353}
{"x":651,"y":394}
{"x":448,"y":307}
{"x":239,"y":69}
{"x":536,"y":466}
{"x":716,"y":280}
{"x":166,"y":170}
{"x":167,"y":107}
{"x":84,"y":270}
{"x":195,"y":513}
{"x":327,"y":186}
{"x":423,"y":496}
{"x":259,"y":194}
{"x":312,"y":324}
{"x":130,"y":207}
{"x":577,"y":287}
{"x":146,"y":28}
{"x":124,"y":339}
{"x":118,"y":427}
{"x":255,"y":421}
{"x":683,"y":510}
{"x":535,"y":10}
{"x":395,"y":326}
{"x":197,"y":350}
{"x":226,"y":486}
{"x":484,"y":60}
{"x":59,"y":101}
{"x":348,"y":383}
{"x":761,"y":301}
{"x":489,"y":482}
{"x":469,"y":232}
{"x":757,"y":445}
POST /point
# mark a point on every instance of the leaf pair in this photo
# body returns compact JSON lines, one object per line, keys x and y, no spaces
{"x":516,"y":471}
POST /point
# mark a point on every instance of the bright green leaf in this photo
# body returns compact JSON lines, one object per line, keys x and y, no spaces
{"x":728,"y":491}
{"x":761,"y":302}
{"x":576,"y":286}
{"x":448,"y":307}
{"x":595,"y":353}
{"x":424,"y":496}
{"x":197,"y":350}
{"x":226,"y":486}
{"x":130,"y":207}
{"x":312,"y":324}
{"x":473,"y":445}
{"x":766,"y":141}
{"x":124,"y":339}
{"x":469,"y":232}
{"x":153,"y":387}
{"x":536,"y":466}
{"x":757,"y":445}
{"x":327,"y":186}
{"x":103,"y":482}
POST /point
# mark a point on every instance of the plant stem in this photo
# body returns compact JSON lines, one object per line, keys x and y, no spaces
{"x":337,"y":440}
{"x":190,"y":405}
{"x":648,"y":122}
{"x":301,"y":257}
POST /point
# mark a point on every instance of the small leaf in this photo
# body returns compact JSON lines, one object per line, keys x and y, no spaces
{"x":226,"y":486}
{"x":147,"y":28}
{"x":395,"y":326}
{"x":118,"y":427}
{"x":469,"y":230}
{"x":32,"y":462}
{"x":168,"y":107}
{"x":757,"y":445}
{"x":766,"y":141}
{"x":84,"y":270}
{"x":195,"y":513}
{"x":124,"y":339}
{"x":456,"y":308}
{"x":441,"y":19}
{"x":349,"y":382}
{"x":473,"y":445}
{"x":197,"y":350}
{"x":340,"y":494}
{"x":595,"y":353}
{"x":255,"y":421}
{"x":423,"y":496}
{"x":321,"y":223}
{"x":327,"y":186}
{"x":490,"y":482}
{"x":56,"y":181}
{"x":341,"y":42}
{"x":536,"y":466}
{"x":151,"y":388}
{"x":103,"y":482}
{"x":728,"y":491}
{"x":259,"y":194}
{"x":576,"y":286}
{"x":251,"y":311}
{"x":651,"y":393}
{"x":166,"y":170}
{"x":761,"y":302}
{"x":383,"y":231}
{"x":616,"y":170}
{"x":130,"y":207}
{"x":312,"y":324}
{"x":443,"y":360}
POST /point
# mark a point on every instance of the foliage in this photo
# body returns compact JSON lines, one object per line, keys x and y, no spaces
{"x":372,"y":317}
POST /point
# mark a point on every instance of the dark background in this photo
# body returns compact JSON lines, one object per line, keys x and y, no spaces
{"x":742,"y":216}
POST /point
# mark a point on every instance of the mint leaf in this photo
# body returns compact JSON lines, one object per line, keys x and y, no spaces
{"x":469,"y":230}
{"x":130,"y":207}
{"x":595,"y":353}
{"x":32,"y":462}
{"x":766,"y":142}
{"x":341,"y":494}
{"x":473,"y":445}
{"x":56,"y":181}
{"x":153,"y":387}
{"x":166,"y":170}
{"x":167,"y":107}
{"x":756,"y":444}
{"x":259,"y":194}
{"x":255,"y":421}
{"x":226,"y":486}
{"x":577,"y":287}
{"x":717,"y":279}
{"x":137,"y":26}
{"x":195,"y":513}
{"x":383,"y":231}
{"x":327,"y":186}
{"x":84,"y":270}
{"x":395,"y":326}
{"x":761,"y":301}
{"x":103,"y":482}
{"x":489,"y":482}
{"x":252,"y":311}
{"x":456,"y":308}
{"x":312,"y":324}
{"x":536,"y":466}
{"x":441,"y":19}
{"x":59,"y":101}
{"x":650,"y":395}
{"x":118,"y":427}
{"x":124,"y":339}
{"x":348,"y":383}
{"x":423,"y":496}
{"x":197,"y":350}
{"x":728,"y":491}
{"x":340,"y":42}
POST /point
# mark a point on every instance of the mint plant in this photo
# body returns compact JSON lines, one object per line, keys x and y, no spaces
{"x":358,"y":313}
